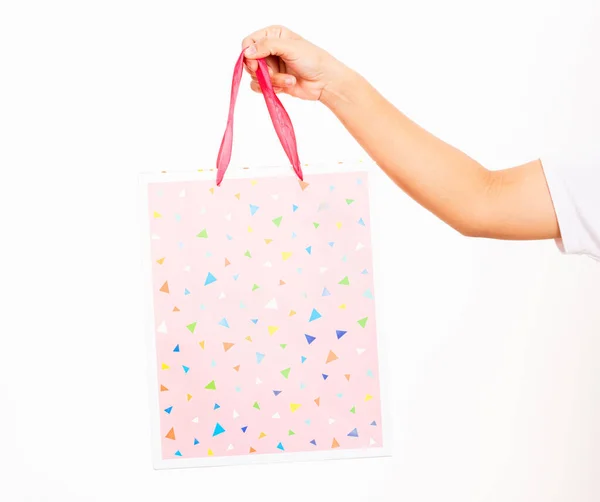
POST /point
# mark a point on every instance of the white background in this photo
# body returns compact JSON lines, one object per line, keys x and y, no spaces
{"x":494,"y":346}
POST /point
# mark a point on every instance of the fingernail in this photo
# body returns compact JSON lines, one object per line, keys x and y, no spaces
{"x":250,"y":50}
{"x":289,"y":80}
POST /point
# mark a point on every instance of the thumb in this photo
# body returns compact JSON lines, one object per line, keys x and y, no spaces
{"x":285,"y":48}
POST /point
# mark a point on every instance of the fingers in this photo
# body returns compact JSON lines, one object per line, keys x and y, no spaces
{"x":256,"y":88}
{"x":269,"y":32}
{"x":280,"y":81}
{"x":285,"y":48}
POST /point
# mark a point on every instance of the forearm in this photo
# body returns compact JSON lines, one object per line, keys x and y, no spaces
{"x":509,"y":204}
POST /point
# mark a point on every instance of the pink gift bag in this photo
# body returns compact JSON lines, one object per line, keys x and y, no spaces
{"x":262,"y":327}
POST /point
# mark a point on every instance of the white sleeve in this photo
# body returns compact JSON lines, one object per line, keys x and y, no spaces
{"x":575,"y":191}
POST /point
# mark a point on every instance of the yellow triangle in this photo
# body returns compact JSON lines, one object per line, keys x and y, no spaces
{"x":253,"y":182}
{"x":268,"y":241}
{"x":249,"y":338}
{"x":273,"y":330}
{"x":343,"y":306}
{"x":292,"y":312}
{"x":165,"y":366}
{"x":286,"y":255}
{"x":189,"y":396}
{"x":238,"y":196}
{"x":262,"y":435}
{"x":157,"y":215}
{"x":212,"y":190}
{"x":339,"y":224}
{"x":161,"y":261}
{"x":250,"y":229}
{"x":201,"y":343}
{"x":368,"y":397}
{"x":294,"y":407}
{"x":210,"y":452}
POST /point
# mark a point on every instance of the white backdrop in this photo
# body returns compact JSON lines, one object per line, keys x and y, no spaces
{"x":494,"y":346}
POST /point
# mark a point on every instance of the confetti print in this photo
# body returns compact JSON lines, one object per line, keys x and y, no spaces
{"x":264,"y":316}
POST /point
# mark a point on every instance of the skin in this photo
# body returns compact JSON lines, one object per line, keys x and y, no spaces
{"x":511,"y":203}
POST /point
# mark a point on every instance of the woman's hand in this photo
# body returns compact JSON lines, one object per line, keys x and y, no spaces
{"x":296,"y":66}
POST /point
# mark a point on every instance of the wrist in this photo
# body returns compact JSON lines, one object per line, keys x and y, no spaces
{"x":340,"y":85}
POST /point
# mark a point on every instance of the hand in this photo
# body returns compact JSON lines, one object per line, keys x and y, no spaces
{"x":296,"y":66}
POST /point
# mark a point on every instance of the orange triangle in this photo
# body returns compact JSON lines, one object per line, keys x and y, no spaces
{"x":318,"y":401}
{"x":303,"y":184}
{"x":227,"y":262}
{"x":227,"y":346}
{"x":201,"y":343}
{"x":347,"y":377}
{"x":171,"y":434}
{"x":292,"y":313}
{"x":281,"y":283}
{"x":252,"y":450}
{"x":237,"y":368}
{"x":335,"y":444}
{"x":331,"y":357}
{"x":175,"y":309}
{"x":268,"y":241}
{"x":238,"y":196}
{"x":165,"y":287}
{"x":160,"y":261}
{"x":163,"y":388}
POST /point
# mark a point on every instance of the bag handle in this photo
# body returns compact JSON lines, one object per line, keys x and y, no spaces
{"x":281,"y":120}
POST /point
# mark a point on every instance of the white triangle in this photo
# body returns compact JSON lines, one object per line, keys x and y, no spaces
{"x":275,"y":197}
{"x":228,"y":217}
{"x":323,"y":270}
{"x":187,"y":268}
{"x":331,"y":420}
{"x":162,"y":328}
{"x":155,"y":237}
{"x":272,"y":304}
{"x":268,"y":264}
{"x":182,"y":193}
{"x":323,"y":205}
{"x":202,"y":210}
{"x":372,"y":442}
{"x":235,"y":414}
{"x":221,"y":296}
{"x":230,"y":447}
{"x":258,"y":381}
{"x":195,"y":420}
{"x":360,"y":351}
{"x":276,"y":415}
{"x":359,"y":246}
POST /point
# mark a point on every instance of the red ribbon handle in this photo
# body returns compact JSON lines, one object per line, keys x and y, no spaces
{"x":281,"y":120}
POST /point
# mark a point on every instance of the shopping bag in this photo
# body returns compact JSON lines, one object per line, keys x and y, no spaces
{"x":262,"y":326}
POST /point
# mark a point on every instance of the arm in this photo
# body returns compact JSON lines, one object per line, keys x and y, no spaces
{"x":509,"y":204}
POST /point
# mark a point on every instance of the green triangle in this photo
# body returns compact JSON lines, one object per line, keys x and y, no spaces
{"x":247,"y":253}
{"x":291,"y":432}
{"x":256,"y":405}
{"x":283,"y":345}
{"x":277,"y":221}
{"x":345,"y":281}
{"x":285,"y":372}
{"x":203,"y":234}
{"x":363,"y":321}
{"x":191,"y":327}
{"x":255,"y":287}
{"x":316,"y":224}
{"x":353,"y":409}
{"x":211,"y":386}
{"x":349,"y":201}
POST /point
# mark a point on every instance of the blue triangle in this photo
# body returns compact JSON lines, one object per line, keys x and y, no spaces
{"x":259,"y":357}
{"x":340,"y":395}
{"x":185,"y":368}
{"x":353,"y":433}
{"x":178,"y":453}
{"x":176,"y":349}
{"x":213,"y":363}
{"x":216,"y":406}
{"x":276,"y":392}
{"x":310,"y":339}
{"x":294,"y":208}
{"x":186,"y":292}
{"x":307,"y":421}
{"x":313,"y":442}
{"x":369,"y":373}
{"x":168,"y":410}
{"x":294,"y":235}
{"x":339,"y":333}
{"x":238,"y":389}
{"x":314,"y":315}
{"x":326,"y":292}
{"x":373,"y":423}
{"x":280,"y":446}
{"x":302,"y":358}
{"x":236,"y":277}
{"x":223,"y":322}
{"x":181,"y":245}
{"x":325,"y":377}
{"x":331,"y":188}
{"x":202,"y":306}
{"x":309,"y":249}
{"x":244,"y":429}
{"x":208,"y":254}
{"x":253,"y":209}
{"x":254,"y":320}
{"x":359,"y":181}
{"x":361,"y":222}
{"x":344,"y":258}
{"x":299,"y":270}
{"x":196,"y":442}
{"x":302,"y":385}
{"x":218,"y":429}
{"x":229,"y":237}
{"x":368,"y":294}
{"x":331,"y":244}
{"x":365,"y":272}
{"x":242,"y":305}
{"x":209,"y":279}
